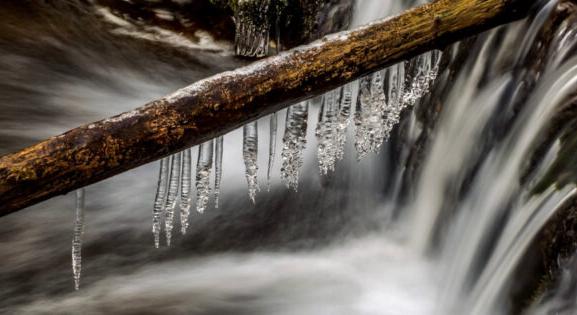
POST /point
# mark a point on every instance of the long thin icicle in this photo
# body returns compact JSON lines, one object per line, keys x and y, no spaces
{"x":172,"y":195}
{"x":159,"y":200}
{"x":294,"y":142}
{"x":218,"y":169}
{"x":185,"y":190}
{"x":249,"y":153}
{"x":362,"y":106}
{"x":327,"y":131}
{"x":436,"y":63}
{"x":77,"y":237}
{"x":344,"y":120}
{"x":395,"y":96}
{"x":203,"y":169}
{"x":272,"y":146}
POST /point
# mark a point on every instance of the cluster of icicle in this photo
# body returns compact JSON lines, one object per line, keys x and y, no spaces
{"x":380,"y":99}
{"x":175,"y":187}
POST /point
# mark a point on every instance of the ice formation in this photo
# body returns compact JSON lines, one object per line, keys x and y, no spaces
{"x":203,"y":169}
{"x":185,"y":189}
{"x":172,"y":195}
{"x":219,"y":150}
{"x":77,"y":238}
{"x":250,"y":153}
{"x":294,"y":141}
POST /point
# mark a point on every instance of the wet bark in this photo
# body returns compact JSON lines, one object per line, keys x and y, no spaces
{"x":222,"y":103}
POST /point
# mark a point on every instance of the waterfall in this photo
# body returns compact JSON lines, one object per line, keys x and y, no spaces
{"x":484,"y":232}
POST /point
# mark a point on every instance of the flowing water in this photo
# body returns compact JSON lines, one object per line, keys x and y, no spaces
{"x":443,"y":220}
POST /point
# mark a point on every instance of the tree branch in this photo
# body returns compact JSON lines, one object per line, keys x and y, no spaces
{"x":224,"y":102}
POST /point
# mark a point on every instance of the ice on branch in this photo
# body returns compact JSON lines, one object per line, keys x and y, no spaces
{"x":203,"y":169}
{"x":272,"y":147}
{"x":185,"y":190}
{"x":379,"y":106}
{"x":419,"y":84}
{"x":172,"y":195}
{"x":327,"y":131}
{"x":249,"y":153}
{"x":77,"y":238}
{"x":294,"y":141}
{"x":343,"y":119}
{"x":395,"y":95}
{"x":159,"y":200}
{"x":218,"y":169}
{"x":370,"y":116}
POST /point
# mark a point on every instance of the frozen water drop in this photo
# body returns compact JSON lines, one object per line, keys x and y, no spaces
{"x":218,"y":169}
{"x":327,"y":131}
{"x":420,"y":79}
{"x":185,"y":190}
{"x":159,"y":200}
{"x":343,"y":120}
{"x":272,"y":146}
{"x":77,"y":237}
{"x":203,"y":169}
{"x":370,"y":116}
{"x":294,"y":141}
{"x":250,"y":152}
{"x":172,"y":195}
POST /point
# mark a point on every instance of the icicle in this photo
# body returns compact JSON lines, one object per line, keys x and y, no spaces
{"x":362,"y":107}
{"x":371,"y":115}
{"x":77,"y":238}
{"x":435,"y":62}
{"x":252,"y":27}
{"x":203,"y":169}
{"x":294,"y":141}
{"x":327,"y":131}
{"x":218,"y":169}
{"x":159,"y":200}
{"x":171,"y":196}
{"x":272,"y":147}
{"x":395,"y":96}
{"x":421,"y":79}
{"x":185,"y":190}
{"x":343,"y":120}
{"x":250,"y":152}
{"x":380,"y":108}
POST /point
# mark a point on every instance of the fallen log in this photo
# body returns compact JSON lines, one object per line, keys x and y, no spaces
{"x":224,"y":102}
